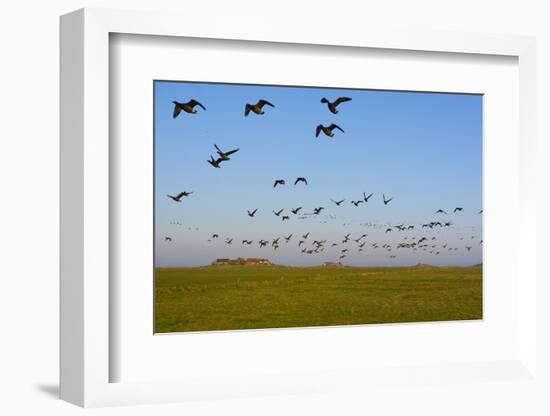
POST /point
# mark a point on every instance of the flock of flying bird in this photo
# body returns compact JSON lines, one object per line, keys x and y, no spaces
{"x":307,"y":245}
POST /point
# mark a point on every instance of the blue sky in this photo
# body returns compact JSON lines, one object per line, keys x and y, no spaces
{"x":422,"y":149}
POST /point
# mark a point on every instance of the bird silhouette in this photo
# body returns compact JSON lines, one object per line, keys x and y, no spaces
{"x":188,"y":107}
{"x":278,"y":212}
{"x":279,"y":182}
{"x":215,"y":235}
{"x":332,"y":106}
{"x":248,"y":242}
{"x":356,"y":203}
{"x":225,"y":155}
{"x":386,"y":201}
{"x":327,"y":130}
{"x":295,"y":210}
{"x":256,"y":108}
{"x":287,"y":239}
{"x":317,"y":211}
{"x":179,"y":196}
{"x":305,"y":236}
{"x":366,"y":198}
{"x":480,"y":212}
{"x":251,"y":214}
{"x":440,"y":211}
{"x":458,"y":209}
{"x":338,"y":202}
{"x":300,"y":179}
{"x":285,"y":217}
{"x":229,"y":241}
{"x":167,"y":238}
{"x":215,"y":162}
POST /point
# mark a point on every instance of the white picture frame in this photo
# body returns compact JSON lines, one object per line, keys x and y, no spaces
{"x":85,"y":351}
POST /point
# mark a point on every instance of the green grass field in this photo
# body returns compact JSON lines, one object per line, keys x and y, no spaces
{"x":247,"y":297}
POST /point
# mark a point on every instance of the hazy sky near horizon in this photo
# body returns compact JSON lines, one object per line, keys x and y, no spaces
{"x":422,"y":149}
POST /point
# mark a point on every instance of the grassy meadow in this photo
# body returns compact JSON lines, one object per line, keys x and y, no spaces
{"x":250,"y":297}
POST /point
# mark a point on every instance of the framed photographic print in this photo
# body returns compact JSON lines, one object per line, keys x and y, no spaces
{"x":288,"y":211}
{"x":300,"y":224}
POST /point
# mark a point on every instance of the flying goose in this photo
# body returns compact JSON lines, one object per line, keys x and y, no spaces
{"x":332,"y":106}
{"x":317,"y":211}
{"x":386,"y":201}
{"x":251,"y":214}
{"x":279,"y":182}
{"x":277,"y":213}
{"x":256,"y":108}
{"x":300,"y":179}
{"x":188,"y":107}
{"x":295,"y":210}
{"x":458,"y":209}
{"x":440,"y":211}
{"x":179,"y":196}
{"x":225,"y":155}
{"x":338,"y":202}
{"x":366,"y":198}
{"x":215,"y":162}
{"x":328,"y":130}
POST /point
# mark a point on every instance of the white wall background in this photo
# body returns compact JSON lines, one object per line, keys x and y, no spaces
{"x":29,"y":203}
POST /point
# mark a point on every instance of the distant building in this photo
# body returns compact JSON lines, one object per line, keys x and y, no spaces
{"x":332,"y":264}
{"x":254,"y":261}
{"x":241,"y":262}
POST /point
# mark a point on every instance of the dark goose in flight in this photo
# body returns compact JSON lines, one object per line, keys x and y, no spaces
{"x":225,"y":155}
{"x":188,"y":107}
{"x":256,"y":108}
{"x":328,"y":130}
{"x":215,"y":162}
{"x":179,"y":196}
{"x":366,"y":198}
{"x":332,"y":106}
{"x":300,"y":179}
{"x":279,"y":182}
